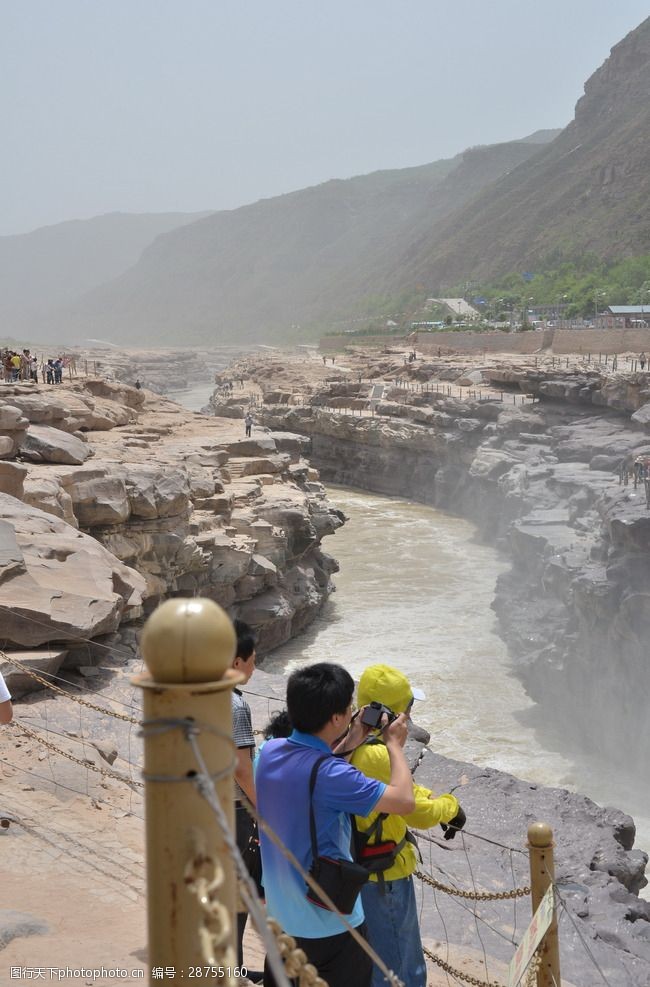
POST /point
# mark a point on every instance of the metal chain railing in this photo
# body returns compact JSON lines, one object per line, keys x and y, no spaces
{"x":15,"y":725}
{"x":472,"y":895}
{"x":467,"y":978}
{"x":295,"y":959}
{"x":216,"y":925}
{"x":68,"y":695}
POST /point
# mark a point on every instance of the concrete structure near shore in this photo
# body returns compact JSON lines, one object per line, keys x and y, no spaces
{"x":585,"y":341}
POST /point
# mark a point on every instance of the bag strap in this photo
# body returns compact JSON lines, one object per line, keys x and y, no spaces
{"x":312,"y":820}
{"x":375,"y":828}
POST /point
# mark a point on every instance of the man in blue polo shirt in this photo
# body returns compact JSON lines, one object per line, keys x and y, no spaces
{"x":319,"y":703}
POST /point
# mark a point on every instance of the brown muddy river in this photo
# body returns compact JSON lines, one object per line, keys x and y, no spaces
{"x":414,"y":591}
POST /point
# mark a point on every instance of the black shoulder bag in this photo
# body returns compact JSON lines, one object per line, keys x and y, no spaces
{"x":341,"y":879}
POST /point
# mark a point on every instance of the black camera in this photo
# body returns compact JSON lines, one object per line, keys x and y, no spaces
{"x":373,"y":713}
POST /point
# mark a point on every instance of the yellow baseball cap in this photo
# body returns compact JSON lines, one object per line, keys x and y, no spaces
{"x":383,"y":684}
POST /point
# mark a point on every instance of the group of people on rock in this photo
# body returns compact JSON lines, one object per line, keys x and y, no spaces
{"x":24,"y":366}
{"x":19,"y":366}
{"x":330,"y":779}
{"x":52,"y":371}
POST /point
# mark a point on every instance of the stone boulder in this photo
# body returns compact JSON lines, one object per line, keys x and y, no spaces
{"x":58,"y":583}
{"x":292,"y":443}
{"x":120,"y":393}
{"x":642,"y":416}
{"x":255,"y":446}
{"x":156,"y":493}
{"x":48,"y":495}
{"x":46,"y":662}
{"x":100,"y":501}
{"x":72,"y":411}
{"x":12,"y":478}
{"x":43,"y":443}
{"x":39,"y":408}
{"x":12,"y":430}
{"x":470,"y":379}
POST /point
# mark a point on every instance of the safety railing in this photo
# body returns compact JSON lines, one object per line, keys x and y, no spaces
{"x":188,"y":767}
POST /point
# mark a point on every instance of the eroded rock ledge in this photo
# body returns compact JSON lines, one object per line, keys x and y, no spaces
{"x":112,"y":498}
{"x":542,"y":482}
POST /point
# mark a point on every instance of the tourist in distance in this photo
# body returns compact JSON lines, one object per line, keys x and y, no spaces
{"x":6,"y":709}
{"x":249,"y":422}
{"x":242,"y":732}
{"x":319,"y":703}
{"x":389,"y":896}
{"x":642,"y":360}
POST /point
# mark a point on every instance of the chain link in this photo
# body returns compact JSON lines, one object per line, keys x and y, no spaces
{"x":68,"y":695}
{"x":77,"y":760}
{"x":531,"y":973}
{"x":473,"y":895}
{"x":295,"y":959}
{"x":466,"y":977}
{"x":216,"y":927}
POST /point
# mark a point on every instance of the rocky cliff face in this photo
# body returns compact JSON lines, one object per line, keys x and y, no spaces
{"x":585,"y":191}
{"x":112,"y":499}
{"x":162,"y":370}
{"x":542,"y":482}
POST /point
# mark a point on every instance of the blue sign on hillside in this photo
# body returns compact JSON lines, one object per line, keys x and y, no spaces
{"x":527,"y":276}
{"x":480,"y":300}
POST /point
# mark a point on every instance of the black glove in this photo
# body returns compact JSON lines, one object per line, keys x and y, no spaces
{"x":451,"y":828}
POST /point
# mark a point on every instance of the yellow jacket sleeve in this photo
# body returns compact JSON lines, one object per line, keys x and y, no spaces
{"x":373,"y":761}
{"x":429,"y":810}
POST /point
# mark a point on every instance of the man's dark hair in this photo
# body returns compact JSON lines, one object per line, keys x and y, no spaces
{"x":246,"y":640}
{"x":315,"y":693}
{"x":278,"y":726}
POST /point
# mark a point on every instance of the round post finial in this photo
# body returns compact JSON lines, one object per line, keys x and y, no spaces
{"x":187,"y":641}
{"x":540,"y":835}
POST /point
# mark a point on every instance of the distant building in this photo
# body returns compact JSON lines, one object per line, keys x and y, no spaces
{"x":624,"y":317}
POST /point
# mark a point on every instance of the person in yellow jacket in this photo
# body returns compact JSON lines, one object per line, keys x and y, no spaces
{"x":383,"y":843}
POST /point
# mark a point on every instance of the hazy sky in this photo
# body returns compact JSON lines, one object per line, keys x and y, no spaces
{"x":159,"y":105}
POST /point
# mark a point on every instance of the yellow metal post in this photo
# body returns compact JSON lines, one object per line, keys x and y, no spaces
{"x":188,"y":647}
{"x":542,"y":873}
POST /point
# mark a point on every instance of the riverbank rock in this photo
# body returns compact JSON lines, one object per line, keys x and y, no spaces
{"x":208,"y":513}
{"x":58,"y":583}
{"x":45,"y":444}
{"x":12,"y":430}
{"x":542,"y":479}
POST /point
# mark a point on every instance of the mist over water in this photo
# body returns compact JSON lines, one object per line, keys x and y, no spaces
{"x":414,"y":591}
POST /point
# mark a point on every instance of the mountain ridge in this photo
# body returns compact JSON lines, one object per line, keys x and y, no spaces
{"x":293,"y":265}
{"x":309,"y":256}
{"x":47,"y":266}
{"x":588,"y":190}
